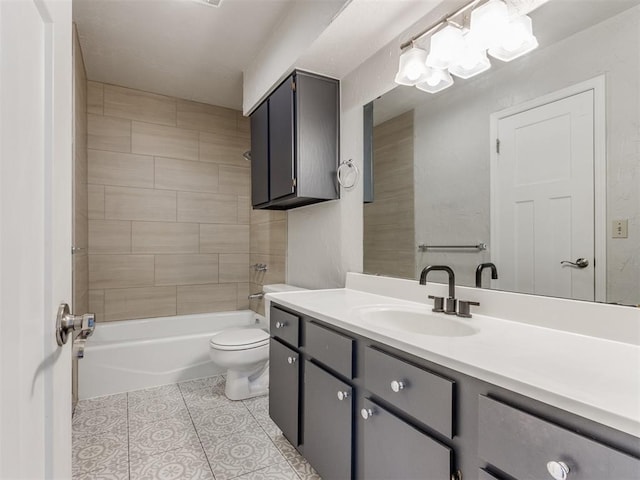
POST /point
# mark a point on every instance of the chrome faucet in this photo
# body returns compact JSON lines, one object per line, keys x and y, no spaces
{"x":481,"y":267}
{"x":450,"y":307}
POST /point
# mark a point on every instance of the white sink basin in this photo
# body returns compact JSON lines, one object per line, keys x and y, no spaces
{"x":414,"y":320}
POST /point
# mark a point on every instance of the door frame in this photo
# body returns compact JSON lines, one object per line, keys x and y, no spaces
{"x":598,"y":86}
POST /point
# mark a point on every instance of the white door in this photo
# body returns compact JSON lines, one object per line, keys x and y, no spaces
{"x":35,"y":237}
{"x":544,"y":199}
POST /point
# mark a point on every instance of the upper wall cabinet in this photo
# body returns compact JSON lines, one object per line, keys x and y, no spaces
{"x":294,"y":143}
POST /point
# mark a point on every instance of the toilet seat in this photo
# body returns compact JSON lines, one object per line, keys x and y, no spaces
{"x":239,"y":339}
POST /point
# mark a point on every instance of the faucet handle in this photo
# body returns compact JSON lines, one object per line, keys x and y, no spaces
{"x":438,"y":303}
{"x":450,"y":306}
{"x":464,"y":308}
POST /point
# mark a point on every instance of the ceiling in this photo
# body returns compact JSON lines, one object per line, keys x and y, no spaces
{"x":180,"y":48}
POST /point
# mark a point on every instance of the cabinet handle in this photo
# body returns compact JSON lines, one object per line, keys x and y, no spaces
{"x":280,"y":324}
{"x":396,"y":386}
{"x":291,"y":360}
{"x":367,"y":413}
{"x":343,"y":395}
{"x":558,"y":470}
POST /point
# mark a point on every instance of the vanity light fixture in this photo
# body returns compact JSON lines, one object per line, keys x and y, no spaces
{"x":412,"y":67}
{"x":462,"y":51}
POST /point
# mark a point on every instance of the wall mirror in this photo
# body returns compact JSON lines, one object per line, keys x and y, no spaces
{"x":532,"y":165}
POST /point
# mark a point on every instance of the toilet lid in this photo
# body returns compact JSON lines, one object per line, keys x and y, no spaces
{"x":239,"y":338}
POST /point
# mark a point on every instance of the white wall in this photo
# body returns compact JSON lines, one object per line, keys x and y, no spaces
{"x":452,"y":146}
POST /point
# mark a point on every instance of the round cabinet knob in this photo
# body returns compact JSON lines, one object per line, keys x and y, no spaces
{"x":291,"y":360}
{"x":366,"y":413}
{"x":280,"y":324}
{"x":396,"y":386}
{"x":558,"y":470}
{"x":343,"y":395}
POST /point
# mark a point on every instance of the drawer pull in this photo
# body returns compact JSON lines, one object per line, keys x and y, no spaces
{"x":291,"y":360}
{"x":367,"y":413}
{"x":343,"y":395}
{"x":280,"y":324}
{"x":396,"y":386}
{"x":558,"y":470}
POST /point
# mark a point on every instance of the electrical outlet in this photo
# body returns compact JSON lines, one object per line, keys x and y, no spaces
{"x":620,"y":229}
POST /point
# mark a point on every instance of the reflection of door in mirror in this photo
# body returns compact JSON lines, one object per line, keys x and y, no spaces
{"x":542,"y":206}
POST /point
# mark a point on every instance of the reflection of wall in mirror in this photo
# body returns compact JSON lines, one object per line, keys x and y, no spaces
{"x":388,"y":222}
{"x":452,"y":147}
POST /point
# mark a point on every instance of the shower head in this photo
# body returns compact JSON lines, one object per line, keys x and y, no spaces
{"x":247,"y":155}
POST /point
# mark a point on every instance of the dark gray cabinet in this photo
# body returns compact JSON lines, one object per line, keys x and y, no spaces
{"x":284,"y":387}
{"x":328,"y":407}
{"x":393,"y":449}
{"x":295,"y":147}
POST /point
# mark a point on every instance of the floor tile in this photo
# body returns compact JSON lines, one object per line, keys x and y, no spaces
{"x":206,"y":398}
{"x":241,"y":452}
{"x":91,"y":422}
{"x":287,"y":450}
{"x":153,"y":392}
{"x":279,"y":471}
{"x":182,"y":464}
{"x":264,"y":420}
{"x":216,"y":383}
{"x":257,"y":404}
{"x":304,"y":470}
{"x":119,"y":471}
{"x":104,"y":453}
{"x":158,"y":437}
{"x":212,"y":424}
{"x":119,"y":400}
{"x":155,"y":409}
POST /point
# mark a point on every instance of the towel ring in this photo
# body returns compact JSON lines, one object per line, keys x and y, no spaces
{"x":348,"y":174}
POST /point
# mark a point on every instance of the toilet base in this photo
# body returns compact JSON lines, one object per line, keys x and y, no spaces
{"x":241,"y":385}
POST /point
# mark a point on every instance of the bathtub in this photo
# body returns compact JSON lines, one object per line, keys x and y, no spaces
{"x":134,"y":354}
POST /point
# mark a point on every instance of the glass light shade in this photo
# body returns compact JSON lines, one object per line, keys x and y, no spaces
{"x":517,"y":41}
{"x":436,"y":80}
{"x":446,"y":45}
{"x":412,"y":66}
{"x":489,"y":22}
{"x":471,"y":61}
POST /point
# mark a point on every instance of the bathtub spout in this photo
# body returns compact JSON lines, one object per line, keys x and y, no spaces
{"x":256,"y":296}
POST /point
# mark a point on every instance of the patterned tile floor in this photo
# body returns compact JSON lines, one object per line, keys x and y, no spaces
{"x":183,"y":431}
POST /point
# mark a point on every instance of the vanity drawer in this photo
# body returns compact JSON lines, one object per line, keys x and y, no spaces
{"x":333,"y":349}
{"x":393,"y":449}
{"x":285,"y":326}
{"x":521,"y":445}
{"x":423,"y":395}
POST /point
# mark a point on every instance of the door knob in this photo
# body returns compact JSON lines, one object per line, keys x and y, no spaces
{"x":343,"y":395}
{"x":291,"y":360}
{"x":396,"y":386}
{"x":558,"y":470}
{"x":280,"y":324}
{"x":367,"y":413}
{"x":67,"y":323}
{"x":579,"y":263}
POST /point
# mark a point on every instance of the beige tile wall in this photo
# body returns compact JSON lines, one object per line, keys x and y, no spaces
{"x":169,"y":210}
{"x":389,"y":247}
{"x":268,"y":245}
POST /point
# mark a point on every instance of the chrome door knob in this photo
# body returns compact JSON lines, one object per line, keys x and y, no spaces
{"x":367,"y":413}
{"x":280,"y":324}
{"x":343,"y":395}
{"x":67,"y":323}
{"x":291,"y":360}
{"x":558,"y":470}
{"x":396,"y":386}
{"x":579,"y":263}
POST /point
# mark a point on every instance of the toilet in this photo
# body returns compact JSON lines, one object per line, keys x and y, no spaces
{"x":244,"y":352}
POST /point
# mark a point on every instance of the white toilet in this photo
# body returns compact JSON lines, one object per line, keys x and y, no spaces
{"x":244,"y":352}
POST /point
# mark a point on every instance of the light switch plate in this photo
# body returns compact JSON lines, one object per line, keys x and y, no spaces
{"x":620,"y":229}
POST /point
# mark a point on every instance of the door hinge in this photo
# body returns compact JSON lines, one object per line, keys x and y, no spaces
{"x":497,"y":145}
{"x":293,"y":85}
{"x":294,"y":183}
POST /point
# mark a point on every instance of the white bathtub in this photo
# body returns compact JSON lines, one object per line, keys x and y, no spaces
{"x":135,"y":354}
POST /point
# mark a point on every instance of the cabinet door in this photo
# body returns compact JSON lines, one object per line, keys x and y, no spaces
{"x":284,"y":381}
{"x":395,"y":450}
{"x":327,"y":423}
{"x":260,"y":155}
{"x":281,"y":140}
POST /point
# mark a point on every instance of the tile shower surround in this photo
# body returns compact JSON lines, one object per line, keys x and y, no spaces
{"x":171,"y":230}
{"x":182,"y":431}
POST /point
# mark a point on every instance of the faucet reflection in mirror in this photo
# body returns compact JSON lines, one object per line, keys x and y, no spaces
{"x":461,"y":51}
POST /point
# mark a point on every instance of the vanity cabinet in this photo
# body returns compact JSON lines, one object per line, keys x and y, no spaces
{"x":370,"y":411}
{"x":295,"y":143}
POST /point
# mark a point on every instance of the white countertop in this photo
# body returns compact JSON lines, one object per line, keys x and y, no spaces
{"x":592,"y":377}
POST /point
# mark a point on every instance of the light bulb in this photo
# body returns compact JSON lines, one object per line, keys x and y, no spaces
{"x":412,"y":66}
{"x":517,"y":40}
{"x":446,"y":45}
{"x":489,"y":22}
{"x":432,"y":80}
{"x":413,"y":71}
